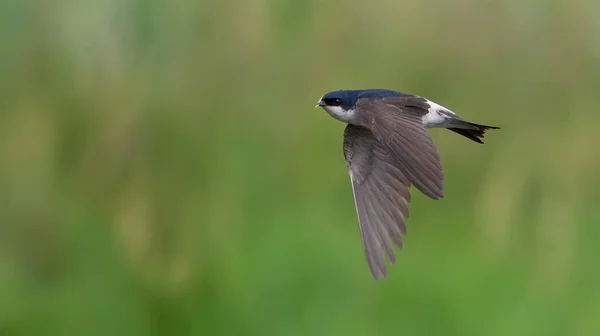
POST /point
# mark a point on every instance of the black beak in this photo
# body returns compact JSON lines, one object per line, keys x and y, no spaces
{"x":320,"y":104}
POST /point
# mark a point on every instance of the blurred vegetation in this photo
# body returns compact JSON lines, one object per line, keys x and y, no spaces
{"x":163,"y":170}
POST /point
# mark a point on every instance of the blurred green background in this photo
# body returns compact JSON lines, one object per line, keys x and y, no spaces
{"x":163,"y":170}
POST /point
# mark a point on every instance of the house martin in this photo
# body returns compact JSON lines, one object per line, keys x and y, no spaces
{"x":387,"y":149}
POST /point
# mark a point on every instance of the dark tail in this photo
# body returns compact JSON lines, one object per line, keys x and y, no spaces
{"x":472,"y":131}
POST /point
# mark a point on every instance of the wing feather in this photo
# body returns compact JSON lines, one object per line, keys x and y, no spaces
{"x":396,"y":122}
{"x":381,"y":196}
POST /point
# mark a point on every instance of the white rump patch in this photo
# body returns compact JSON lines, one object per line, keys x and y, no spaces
{"x":436,"y":117}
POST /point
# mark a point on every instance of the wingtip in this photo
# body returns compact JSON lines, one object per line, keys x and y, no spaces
{"x":434,"y":196}
{"x":378,"y":273}
{"x":379,"y":276}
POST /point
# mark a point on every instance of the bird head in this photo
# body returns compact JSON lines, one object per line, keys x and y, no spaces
{"x":339,"y":104}
{"x":343,"y":98}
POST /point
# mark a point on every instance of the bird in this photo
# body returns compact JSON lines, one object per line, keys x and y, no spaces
{"x":388,"y":149}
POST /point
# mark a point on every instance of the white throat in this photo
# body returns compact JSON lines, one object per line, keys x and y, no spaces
{"x":347,"y":116}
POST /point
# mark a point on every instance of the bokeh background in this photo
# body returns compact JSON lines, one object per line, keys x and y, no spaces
{"x":163,"y":170}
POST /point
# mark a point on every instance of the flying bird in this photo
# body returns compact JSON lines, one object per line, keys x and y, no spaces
{"x":387,"y":149}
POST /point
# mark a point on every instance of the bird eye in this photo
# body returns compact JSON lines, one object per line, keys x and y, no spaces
{"x":333,"y":101}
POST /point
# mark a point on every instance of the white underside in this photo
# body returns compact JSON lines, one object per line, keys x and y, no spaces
{"x":436,"y":117}
{"x":340,"y":114}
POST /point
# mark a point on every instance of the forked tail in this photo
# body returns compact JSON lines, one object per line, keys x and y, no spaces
{"x":471,"y":130}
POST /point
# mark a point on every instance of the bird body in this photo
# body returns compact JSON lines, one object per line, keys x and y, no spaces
{"x":387,"y":149}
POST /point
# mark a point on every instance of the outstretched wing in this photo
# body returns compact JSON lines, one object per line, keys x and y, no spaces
{"x":381,"y":196}
{"x":397,"y":122}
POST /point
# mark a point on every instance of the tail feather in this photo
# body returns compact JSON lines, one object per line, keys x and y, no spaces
{"x":472,"y":131}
